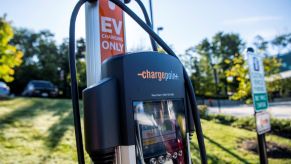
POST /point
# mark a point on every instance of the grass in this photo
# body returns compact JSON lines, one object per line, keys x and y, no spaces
{"x":34,"y":130}
{"x":37,"y":131}
{"x":222,"y":144}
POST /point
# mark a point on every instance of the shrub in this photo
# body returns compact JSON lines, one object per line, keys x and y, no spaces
{"x":222,"y":119}
{"x":280,"y":127}
{"x":245,"y":123}
{"x":203,"y":110}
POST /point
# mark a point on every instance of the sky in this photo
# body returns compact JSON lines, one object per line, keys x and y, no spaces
{"x":185,"y":22}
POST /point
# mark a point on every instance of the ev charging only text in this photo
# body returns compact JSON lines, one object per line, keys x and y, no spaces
{"x":111,"y":30}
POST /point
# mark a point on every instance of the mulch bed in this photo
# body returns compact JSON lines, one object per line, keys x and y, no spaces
{"x":274,"y":150}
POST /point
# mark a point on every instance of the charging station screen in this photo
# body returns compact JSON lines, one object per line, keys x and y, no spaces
{"x":161,"y":131}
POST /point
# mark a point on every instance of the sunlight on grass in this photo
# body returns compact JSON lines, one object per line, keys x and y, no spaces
{"x":37,"y":131}
{"x":34,"y":130}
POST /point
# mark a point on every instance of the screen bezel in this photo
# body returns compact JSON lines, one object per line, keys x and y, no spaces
{"x":185,"y":123}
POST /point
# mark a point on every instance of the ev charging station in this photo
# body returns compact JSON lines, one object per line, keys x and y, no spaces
{"x":139,"y":108}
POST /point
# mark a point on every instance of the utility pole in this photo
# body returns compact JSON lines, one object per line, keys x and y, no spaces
{"x":151,"y":12}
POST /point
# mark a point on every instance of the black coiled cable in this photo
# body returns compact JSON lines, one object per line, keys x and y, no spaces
{"x":188,"y":84}
{"x":74,"y":85}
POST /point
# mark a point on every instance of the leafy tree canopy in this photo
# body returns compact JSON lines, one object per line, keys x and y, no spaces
{"x":222,"y":55}
{"x":10,"y":56}
{"x":44,"y":59}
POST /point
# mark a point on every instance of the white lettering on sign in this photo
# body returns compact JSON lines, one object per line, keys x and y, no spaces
{"x":116,"y":26}
{"x":256,"y":69}
{"x":112,"y":37}
{"x":111,"y":28}
{"x":112,"y":46}
{"x":259,"y":91}
{"x":106,"y":25}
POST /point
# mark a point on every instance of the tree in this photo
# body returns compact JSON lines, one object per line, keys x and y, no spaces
{"x":282,"y":42}
{"x":261,"y":44}
{"x":63,"y":51}
{"x":81,"y":48}
{"x":40,"y":59}
{"x":240,"y":71}
{"x":271,"y":64}
{"x":230,"y":65}
{"x":223,"y":47}
{"x":45,"y":60}
{"x":226,"y":47}
{"x":186,"y":59}
{"x":80,"y":63}
{"x":202,"y":77}
{"x":10,"y":56}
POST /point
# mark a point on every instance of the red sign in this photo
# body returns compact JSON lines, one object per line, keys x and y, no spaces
{"x":111,"y":29}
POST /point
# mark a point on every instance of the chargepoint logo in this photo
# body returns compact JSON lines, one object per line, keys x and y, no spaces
{"x":158,"y":75}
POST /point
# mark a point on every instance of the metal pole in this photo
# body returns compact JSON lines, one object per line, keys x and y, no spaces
{"x":262,"y":149}
{"x":93,"y":56}
{"x":151,"y":11}
{"x":93,"y":64}
{"x":261,"y":137}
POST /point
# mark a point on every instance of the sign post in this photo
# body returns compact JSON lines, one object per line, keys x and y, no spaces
{"x":260,"y":100}
{"x":105,"y":37}
{"x":114,"y":124}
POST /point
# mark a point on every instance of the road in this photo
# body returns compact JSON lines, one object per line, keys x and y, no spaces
{"x":280,"y":110}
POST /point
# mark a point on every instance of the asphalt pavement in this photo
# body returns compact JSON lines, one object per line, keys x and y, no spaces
{"x":280,"y":110}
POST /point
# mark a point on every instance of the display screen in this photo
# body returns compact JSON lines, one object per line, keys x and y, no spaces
{"x":161,"y":131}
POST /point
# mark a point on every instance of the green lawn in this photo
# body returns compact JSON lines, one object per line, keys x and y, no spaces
{"x":36,"y":131}
{"x":41,"y":131}
{"x":222,"y":144}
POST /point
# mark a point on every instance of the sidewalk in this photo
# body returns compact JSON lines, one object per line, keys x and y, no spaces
{"x":280,"y":110}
